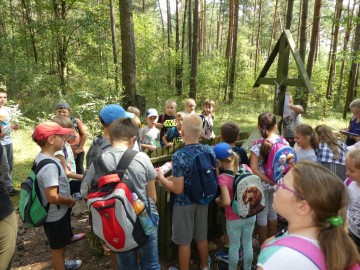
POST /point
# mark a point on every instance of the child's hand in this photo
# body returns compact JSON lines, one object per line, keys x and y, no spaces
{"x":169,"y":144}
{"x":151,"y":148}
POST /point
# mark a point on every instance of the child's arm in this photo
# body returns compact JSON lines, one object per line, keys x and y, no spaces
{"x":151,"y":190}
{"x":147,"y":146}
{"x":83,"y":137}
{"x":224,"y":200}
{"x":68,"y":173}
{"x":159,"y":125}
{"x":53,"y":197}
{"x":165,"y":141}
{"x":254,"y":161}
{"x":175,"y":186}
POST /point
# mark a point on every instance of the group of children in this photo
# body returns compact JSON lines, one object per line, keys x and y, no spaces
{"x":304,"y":197}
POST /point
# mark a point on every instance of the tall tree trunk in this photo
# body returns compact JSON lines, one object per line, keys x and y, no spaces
{"x":189,"y":32}
{"x":229,"y":48}
{"x":218,"y":25}
{"x":31,"y":29}
{"x":114,"y":45}
{"x":128,"y":53}
{"x":195,"y":50}
{"x":169,"y":32}
{"x":332,"y":71}
{"x":181,"y":68}
{"x":258,"y":39}
{"x":299,"y":23}
{"x":273,"y":28}
{"x":234,"y":51}
{"x":354,"y":69}
{"x":289,"y":14}
{"x":253,"y":29}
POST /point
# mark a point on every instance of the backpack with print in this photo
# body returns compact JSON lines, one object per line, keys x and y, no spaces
{"x":32,"y":212}
{"x":249,"y":196}
{"x":110,"y":202}
{"x":97,"y":147}
{"x":281,"y":156}
{"x":203,"y":176}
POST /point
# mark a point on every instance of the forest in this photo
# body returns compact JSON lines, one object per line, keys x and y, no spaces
{"x":93,"y":52}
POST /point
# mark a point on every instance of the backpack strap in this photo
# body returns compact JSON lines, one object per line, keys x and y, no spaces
{"x":143,"y":134}
{"x":163,"y":118}
{"x":42,"y":163}
{"x":348,"y":181}
{"x":172,"y":133}
{"x":305,"y":247}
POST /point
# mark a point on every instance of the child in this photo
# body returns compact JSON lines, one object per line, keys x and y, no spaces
{"x":123,"y":134}
{"x":354,"y":125}
{"x":313,"y":200}
{"x":208,"y":119}
{"x":238,"y":230}
{"x":67,"y":160}
{"x":352,"y":163}
{"x":167,"y":120}
{"x":306,"y":143}
{"x":173,"y":134}
{"x":291,"y":120}
{"x":134,"y":110}
{"x":190,"y":106}
{"x":6,"y":141}
{"x":331,"y":152}
{"x":149,"y":134}
{"x":79,"y":136}
{"x":266,"y":219}
{"x":189,"y":220}
{"x":55,"y":190}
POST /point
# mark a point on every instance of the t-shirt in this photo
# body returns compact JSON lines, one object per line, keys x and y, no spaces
{"x":75,"y":137}
{"x":227,"y":181}
{"x":5,"y":117}
{"x":173,"y":135}
{"x":289,"y":123}
{"x":353,"y":210}
{"x":208,"y":126}
{"x":150,"y":137}
{"x":98,"y":146}
{"x":48,"y":176}
{"x":140,"y":172}
{"x":305,"y":154}
{"x":168,"y":121}
{"x":68,"y":154}
{"x":284,"y":258}
{"x":353,"y":128}
{"x":181,"y":167}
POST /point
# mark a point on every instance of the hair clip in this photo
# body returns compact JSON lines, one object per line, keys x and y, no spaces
{"x":335,"y":221}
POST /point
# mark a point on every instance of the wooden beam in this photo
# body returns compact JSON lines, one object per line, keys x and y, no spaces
{"x":285,"y":82}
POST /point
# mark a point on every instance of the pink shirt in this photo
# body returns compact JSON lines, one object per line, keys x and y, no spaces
{"x":227,"y":181}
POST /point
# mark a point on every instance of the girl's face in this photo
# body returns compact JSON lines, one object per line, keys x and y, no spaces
{"x":356,"y":112}
{"x":190,"y":107}
{"x":301,"y":140}
{"x":352,"y":171}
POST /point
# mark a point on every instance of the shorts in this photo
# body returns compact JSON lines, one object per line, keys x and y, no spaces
{"x":59,"y":232}
{"x":268,"y":213}
{"x":189,"y":222}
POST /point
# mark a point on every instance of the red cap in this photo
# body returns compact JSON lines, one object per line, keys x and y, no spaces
{"x":47,"y":129}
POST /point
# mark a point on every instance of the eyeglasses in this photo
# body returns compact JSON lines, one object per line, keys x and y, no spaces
{"x":280,"y":183}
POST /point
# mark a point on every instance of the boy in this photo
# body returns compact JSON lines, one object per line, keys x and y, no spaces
{"x":167,"y":120}
{"x":79,"y":136}
{"x":134,"y":110}
{"x":189,"y":220}
{"x":123,"y":134}
{"x":55,"y":190}
{"x":208,"y":119}
{"x":190,"y":106}
{"x":6,"y":141}
{"x":173,"y":134}
{"x":149,"y":134}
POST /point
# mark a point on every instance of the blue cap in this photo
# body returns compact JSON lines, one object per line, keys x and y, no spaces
{"x":112,"y":112}
{"x":223,"y":150}
{"x":63,"y":105}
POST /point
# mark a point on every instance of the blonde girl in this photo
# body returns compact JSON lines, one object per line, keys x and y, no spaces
{"x":313,"y":201}
{"x":306,"y":143}
{"x":239,"y":230}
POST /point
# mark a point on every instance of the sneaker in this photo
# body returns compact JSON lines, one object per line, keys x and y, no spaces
{"x":13,"y":192}
{"x":77,"y":196}
{"x":222,"y":255}
{"x":72,"y":264}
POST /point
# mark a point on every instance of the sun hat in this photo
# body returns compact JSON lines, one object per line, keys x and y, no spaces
{"x":47,"y":129}
{"x":112,"y":112}
{"x":63,"y":105}
{"x":152,"y":112}
{"x":223,"y":150}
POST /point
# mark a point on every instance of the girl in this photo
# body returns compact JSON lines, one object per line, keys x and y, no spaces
{"x":313,"y":201}
{"x":259,"y":152}
{"x":331,"y":152}
{"x":354,"y":125}
{"x":352,"y":163}
{"x":306,"y":142}
{"x":238,"y":229}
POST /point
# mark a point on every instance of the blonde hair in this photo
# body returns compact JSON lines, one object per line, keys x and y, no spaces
{"x":327,"y":136}
{"x":327,"y":197}
{"x":170,"y":101}
{"x":234,"y":159}
{"x":188,"y":100}
{"x":209,"y":101}
{"x":134,"y":110}
{"x":192,"y":125}
{"x":355,"y":104}
{"x":65,"y":122}
{"x":180,"y":114}
{"x":137,"y":121}
{"x":354,"y":155}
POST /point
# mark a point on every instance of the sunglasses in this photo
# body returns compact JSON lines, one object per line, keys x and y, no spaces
{"x":281,"y":183}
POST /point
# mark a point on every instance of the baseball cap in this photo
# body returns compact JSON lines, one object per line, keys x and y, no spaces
{"x":112,"y":112}
{"x":63,"y":105}
{"x":47,"y":129}
{"x":223,"y":150}
{"x":152,"y":112}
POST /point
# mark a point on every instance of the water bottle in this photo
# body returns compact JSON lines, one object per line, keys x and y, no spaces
{"x":141,"y":212}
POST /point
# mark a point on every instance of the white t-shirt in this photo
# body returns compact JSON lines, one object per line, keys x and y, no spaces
{"x":48,"y":176}
{"x":69,"y":157}
{"x":5,"y":117}
{"x":151,"y":135}
{"x":353,"y":210}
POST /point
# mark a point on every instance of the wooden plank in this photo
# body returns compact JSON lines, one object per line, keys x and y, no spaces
{"x":285,"y":82}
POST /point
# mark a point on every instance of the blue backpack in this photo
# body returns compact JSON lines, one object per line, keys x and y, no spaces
{"x":203,"y":176}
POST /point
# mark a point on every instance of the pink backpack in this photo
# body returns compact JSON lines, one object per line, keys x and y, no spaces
{"x":280,"y":157}
{"x":308,"y":249}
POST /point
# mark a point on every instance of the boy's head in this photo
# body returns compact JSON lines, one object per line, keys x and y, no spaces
{"x":123,"y":129}
{"x":151,"y":116}
{"x":134,"y":110}
{"x":50,"y":133}
{"x":191,"y":126}
{"x":65,"y":122}
{"x":179,"y":119}
{"x":170,"y":107}
{"x":63,"y":109}
{"x":230,"y":132}
{"x":137,"y":122}
{"x":352,"y":163}
{"x":111,"y":112}
{"x":208,"y":106}
{"x":355,"y":108}
{"x":190,"y":105}
{"x":3,"y":96}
